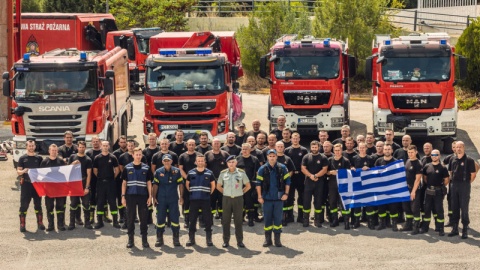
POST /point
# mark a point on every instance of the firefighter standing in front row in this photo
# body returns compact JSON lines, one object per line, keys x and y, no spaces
{"x":165,"y":183}
{"x":273,"y":185}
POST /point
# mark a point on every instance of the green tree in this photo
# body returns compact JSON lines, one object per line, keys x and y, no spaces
{"x":169,"y":15}
{"x":468,"y":45}
{"x":266,"y":24}
{"x":71,"y":6}
{"x":357,"y":20}
{"x":31,"y":6}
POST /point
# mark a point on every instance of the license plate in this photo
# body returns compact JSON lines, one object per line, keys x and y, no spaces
{"x":166,"y":127}
{"x":418,"y":125}
{"x":307,"y":121}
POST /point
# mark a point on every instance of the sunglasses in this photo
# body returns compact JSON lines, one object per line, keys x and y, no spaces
{"x":435,"y":155}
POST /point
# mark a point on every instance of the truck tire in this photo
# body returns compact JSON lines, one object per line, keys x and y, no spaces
{"x":124,"y":128}
{"x":269,"y":108}
{"x":447,"y":146}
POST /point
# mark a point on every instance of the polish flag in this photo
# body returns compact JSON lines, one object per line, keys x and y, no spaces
{"x":57,"y":181}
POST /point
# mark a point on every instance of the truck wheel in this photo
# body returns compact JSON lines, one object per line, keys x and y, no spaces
{"x":375,"y":133}
{"x":124,"y":128}
{"x":447,"y":145}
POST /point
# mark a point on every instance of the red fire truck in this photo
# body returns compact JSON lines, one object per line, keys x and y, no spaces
{"x":137,"y":43}
{"x":309,"y":83}
{"x":187,"y":83}
{"x":86,"y":92}
{"x":413,"y":86}
{"x":43,"y":32}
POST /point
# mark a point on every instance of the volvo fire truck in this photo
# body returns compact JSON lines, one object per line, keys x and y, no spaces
{"x":309,"y":83}
{"x":413,"y":86}
{"x":86,"y":92}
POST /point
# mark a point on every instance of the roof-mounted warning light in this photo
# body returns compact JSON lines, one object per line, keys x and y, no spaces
{"x":443,"y":42}
{"x":26,"y":58}
{"x":326,"y":42}
{"x":388,"y":42}
{"x":83,"y":56}
{"x":166,"y":52}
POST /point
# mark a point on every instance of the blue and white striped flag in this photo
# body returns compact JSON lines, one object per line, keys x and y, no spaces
{"x":373,"y":187}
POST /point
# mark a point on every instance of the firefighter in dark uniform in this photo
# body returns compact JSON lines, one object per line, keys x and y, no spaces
{"x":86,"y":167}
{"x":186,"y":162}
{"x":446,"y":162}
{"x":105,"y":167}
{"x":364,"y":162}
{"x":230,"y":147}
{"x":148,"y":153}
{"x":69,"y":148}
{"x":281,"y":119}
{"x":166,"y":181}
{"x":273,"y":185}
{"x":250,"y":165}
{"x":314,"y":167}
{"x":436,"y":178}
{"x":296,"y":152}
{"x":216,"y":163}
{"x":122,"y":148}
{"x":463,"y":171}
{"x":200,"y":183}
{"x":414,"y":172}
{"x":338,"y":161}
{"x":241,"y":136}
{"x":203,"y":145}
{"x":27,"y":192}
{"x":392,"y":207}
{"x":287,"y":161}
{"x":178,"y":146}
{"x":58,"y":203}
{"x":136,"y":192}
{"x":92,"y":153}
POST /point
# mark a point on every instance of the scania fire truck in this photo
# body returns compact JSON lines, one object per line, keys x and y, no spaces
{"x":86,"y":92}
{"x":309,"y":83}
{"x":190,"y":83}
{"x":413,"y":86}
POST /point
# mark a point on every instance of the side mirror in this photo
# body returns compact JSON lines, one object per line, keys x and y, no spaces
{"x":109,"y":73}
{"x":234,"y":73}
{"x":131,"y":49}
{"x":6,"y":84}
{"x":352,"y":66}
{"x":108,"y":82}
{"x":263,"y":67}
{"x":123,"y":42}
{"x":235,"y":86}
{"x":462,"y":67}
{"x":368,"y":68}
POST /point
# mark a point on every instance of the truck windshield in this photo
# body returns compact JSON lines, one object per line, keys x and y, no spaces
{"x":184,"y":80}
{"x":143,"y":45}
{"x":416,"y":69}
{"x":56,"y":86}
{"x":307,"y":67}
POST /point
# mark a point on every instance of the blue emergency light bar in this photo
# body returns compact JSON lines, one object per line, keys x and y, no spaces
{"x":168,"y":52}
{"x":26,"y":57}
{"x":83,"y":56}
{"x":203,"y":51}
{"x":388,"y":42}
{"x":326,"y":42}
{"x":287,"y":43}
{"x":175,"y":52}
{"x":443,"y":42}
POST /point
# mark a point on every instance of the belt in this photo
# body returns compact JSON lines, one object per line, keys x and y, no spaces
{"x":435,"y":187}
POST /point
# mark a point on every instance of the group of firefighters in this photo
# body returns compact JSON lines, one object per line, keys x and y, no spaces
{"x":252,"y":172}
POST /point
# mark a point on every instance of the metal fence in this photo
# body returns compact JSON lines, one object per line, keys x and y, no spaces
{"x":414,"y":19}
{"x":231,"y":8}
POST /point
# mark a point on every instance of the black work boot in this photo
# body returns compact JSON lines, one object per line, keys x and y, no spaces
{"x":186,"y":221}
{"x":115,"y":221}
{"x":408,"y":225}
{"x":130,"y":242}
{"x":441,"y":230}
{"x":51,"y":222}
{"x":395,"y":224}
{"x":465,"y":232}
{"x":40,"y":225}
{"x":356,"y":223}
{"x":371,"y":222}
{"x":121,"y":212}
{"x":268,"y":239}
{"x":334,"y":220}
{"x":22,"y":222}
{"x":346,"y":222}
{"x":290,"y":216}
{"x":388,"y":221}
{"x":424,"y":227}
{"x":88,"y":224}
{"x":322,"y":217}
{"x":454,"y":231}
{"x":159,"y":241}
{"x":416,"y":225}
{"x":191,"y":239}
{"x":277,"y":241}
{"x":61,"y":221}
{"x":449,"y":223}
{"x":300,"y":216}
{"x":99,"y":224}
{"x":306,"y":219}
{"x":436,"y":225}
{"x":145,"y":241}
{"x":209,"y":238}
{"x":250,"y":218}
{"x":71,"y":225}
{"x":78,"y":217}
{"x":176,"y":239}
{"x":381,"y":224}
{"x":317,"y":222}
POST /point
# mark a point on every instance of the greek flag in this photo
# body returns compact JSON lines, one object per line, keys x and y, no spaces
{"x":373,"y":187}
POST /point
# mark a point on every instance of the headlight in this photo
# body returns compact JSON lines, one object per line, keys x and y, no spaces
{"x":385,"y":125}
{"x":88,"y":144}
{"x":221,"y":127}
{"x":448,"y":126}
{"x":20,"y":145}
{"x":149,"y":127}
{"x":336,"y":121}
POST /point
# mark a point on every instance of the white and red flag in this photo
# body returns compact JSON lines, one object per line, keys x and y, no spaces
{"x":57,"y":181}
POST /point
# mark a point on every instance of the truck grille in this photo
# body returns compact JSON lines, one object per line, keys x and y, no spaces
{"x":185,"y":106}
{"x":53,"y":126}
{"x":406,"y":101}
{"x":194,"y":127}
{"x":306,"y":97}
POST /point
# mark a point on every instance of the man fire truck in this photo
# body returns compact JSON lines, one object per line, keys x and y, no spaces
{"x":84,"y":92}
{"x":309,"y":83}
{"x":191,"y":84}
{"x":413,"y":86}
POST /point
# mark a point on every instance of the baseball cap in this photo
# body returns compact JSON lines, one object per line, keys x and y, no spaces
{"x":271,"y":151}
{"x":167,"y":156}
{"x":230,"y":158}
{"x":241,"y":125}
